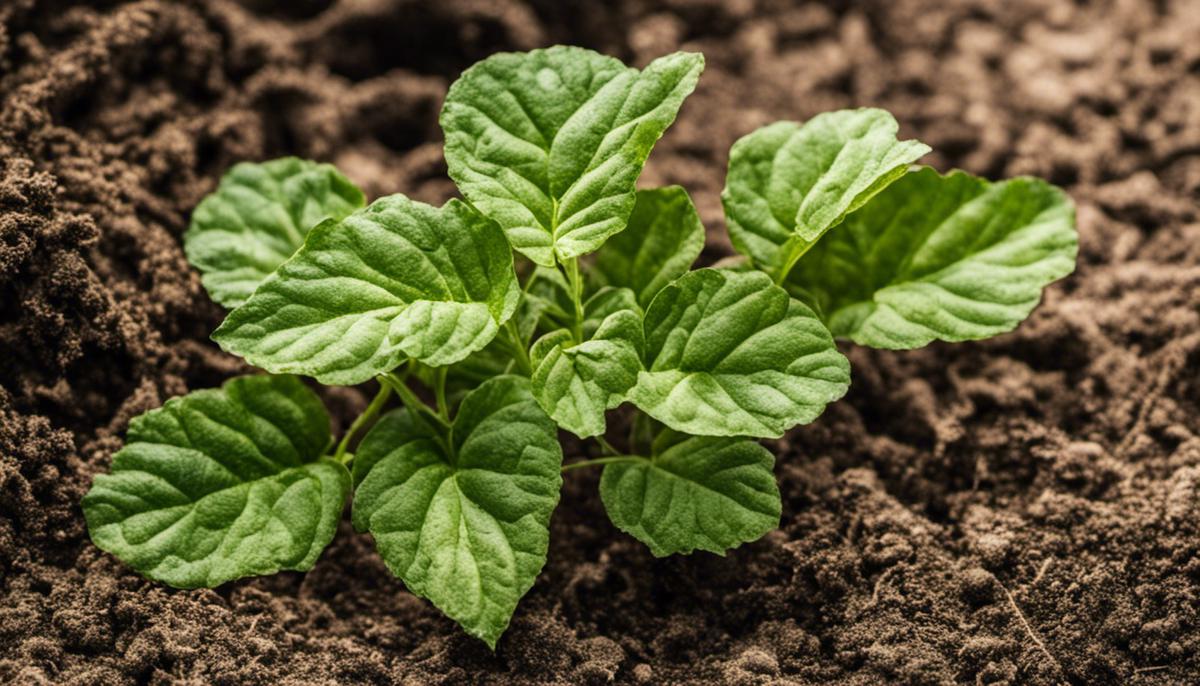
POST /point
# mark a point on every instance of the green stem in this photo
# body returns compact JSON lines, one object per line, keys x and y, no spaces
{"x":608,"y":447}
{"x":439,"y":392}
{"x":571,"y":267}
{"x":520,"y":354}
{"x":414,"y":404}
{"x":601,"y":461}
{"x":368,"y":415}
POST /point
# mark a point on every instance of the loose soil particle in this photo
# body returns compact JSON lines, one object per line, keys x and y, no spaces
{"x":1019,"y":511}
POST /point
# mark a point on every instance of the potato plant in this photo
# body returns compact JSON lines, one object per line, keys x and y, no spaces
{"x":486,"y":357}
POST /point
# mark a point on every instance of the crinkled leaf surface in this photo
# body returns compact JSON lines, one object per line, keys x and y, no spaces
{"x":663,"y":239}
{"x":698,"y":493}
{"x":790,"y":183}
{"x":466,"y":529}
{"x":934,"y":257}
{"x":397,"y":278}
{"x":258,"y":217}
{"x":221,"y":484}
{"x":577,"y":381}
{"x":551,"y":142}
{"x":730,"y":354}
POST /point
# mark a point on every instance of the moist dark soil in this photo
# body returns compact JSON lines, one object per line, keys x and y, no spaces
{"x":1024,"y":510}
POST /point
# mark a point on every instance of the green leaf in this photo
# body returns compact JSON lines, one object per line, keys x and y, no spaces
{"x":576,"y":382}
{"x":464,"y":520}
{"x":258,"y":217}
{"x":730,"y":354}
{"x":398,"y":278}
{"x":933,"y":257}
{"x":222,"y":484}
{"x":551,"y":142}
{"x":663,"y":239}
{"x":699,"y":493}
{"x":788,"y":184}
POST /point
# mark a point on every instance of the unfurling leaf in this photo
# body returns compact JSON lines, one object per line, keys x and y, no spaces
{"x":577,"y":381}
{"x":397,"y":278}
{"x":258,"y":217}
{"x":550,"y":143}
{"x":463,"y":517}
{"x":694,"y":493}
{"x":222,"y":484}
{"x":663,"y":239}
{"x":789,"y":183}
{"x":933,"y":257}
{"x":730,"y":354}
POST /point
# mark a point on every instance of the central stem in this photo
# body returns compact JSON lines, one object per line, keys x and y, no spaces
{"x":571,"y":267}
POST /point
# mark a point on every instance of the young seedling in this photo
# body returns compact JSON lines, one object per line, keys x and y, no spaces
{"x":488,"y":359}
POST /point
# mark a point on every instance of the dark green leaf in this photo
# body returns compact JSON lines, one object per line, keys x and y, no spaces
{"x":464,"y":520}
{"x":222,"y":484}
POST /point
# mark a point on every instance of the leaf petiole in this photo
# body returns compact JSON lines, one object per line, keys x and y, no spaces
{"x":439,"y":392}
{"x":414,"y":404}
{"x":608,"y":447}
{"x":601,"y":461}
{"x":372,"y":411}
{"x":517,"y":345}
{"x":571,"y":267}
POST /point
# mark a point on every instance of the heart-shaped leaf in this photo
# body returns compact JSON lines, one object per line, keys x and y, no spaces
{"x":576,"y":382}
{"x":550,"y":143}
{"x":730,"y":354}
{"x":258,"y":217}
{"x":663,"y":239}
{"x":694,"y":493}
{"x":397,"y":278}
{"x":933,"y":257}
{"x":463,"y":518}
{"x":222,"y":484}
{"x":789,"y":183}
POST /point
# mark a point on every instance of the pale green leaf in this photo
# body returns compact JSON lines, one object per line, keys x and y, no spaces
{"x":789,"y":183}
{"x":577,"y":381}
{"x":258,"y":217}
{"x":698,"y":493}
{"x":221,"y":484}
{"x":464,"y":519}
{"x":396,"y":279}
{"x":550,"y":143}
{"x":933,"y":257}
{"x":663,"y":239}
{"x":730,"y":354}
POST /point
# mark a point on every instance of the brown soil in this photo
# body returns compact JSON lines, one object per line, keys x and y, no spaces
{"x":1020,"y":511}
